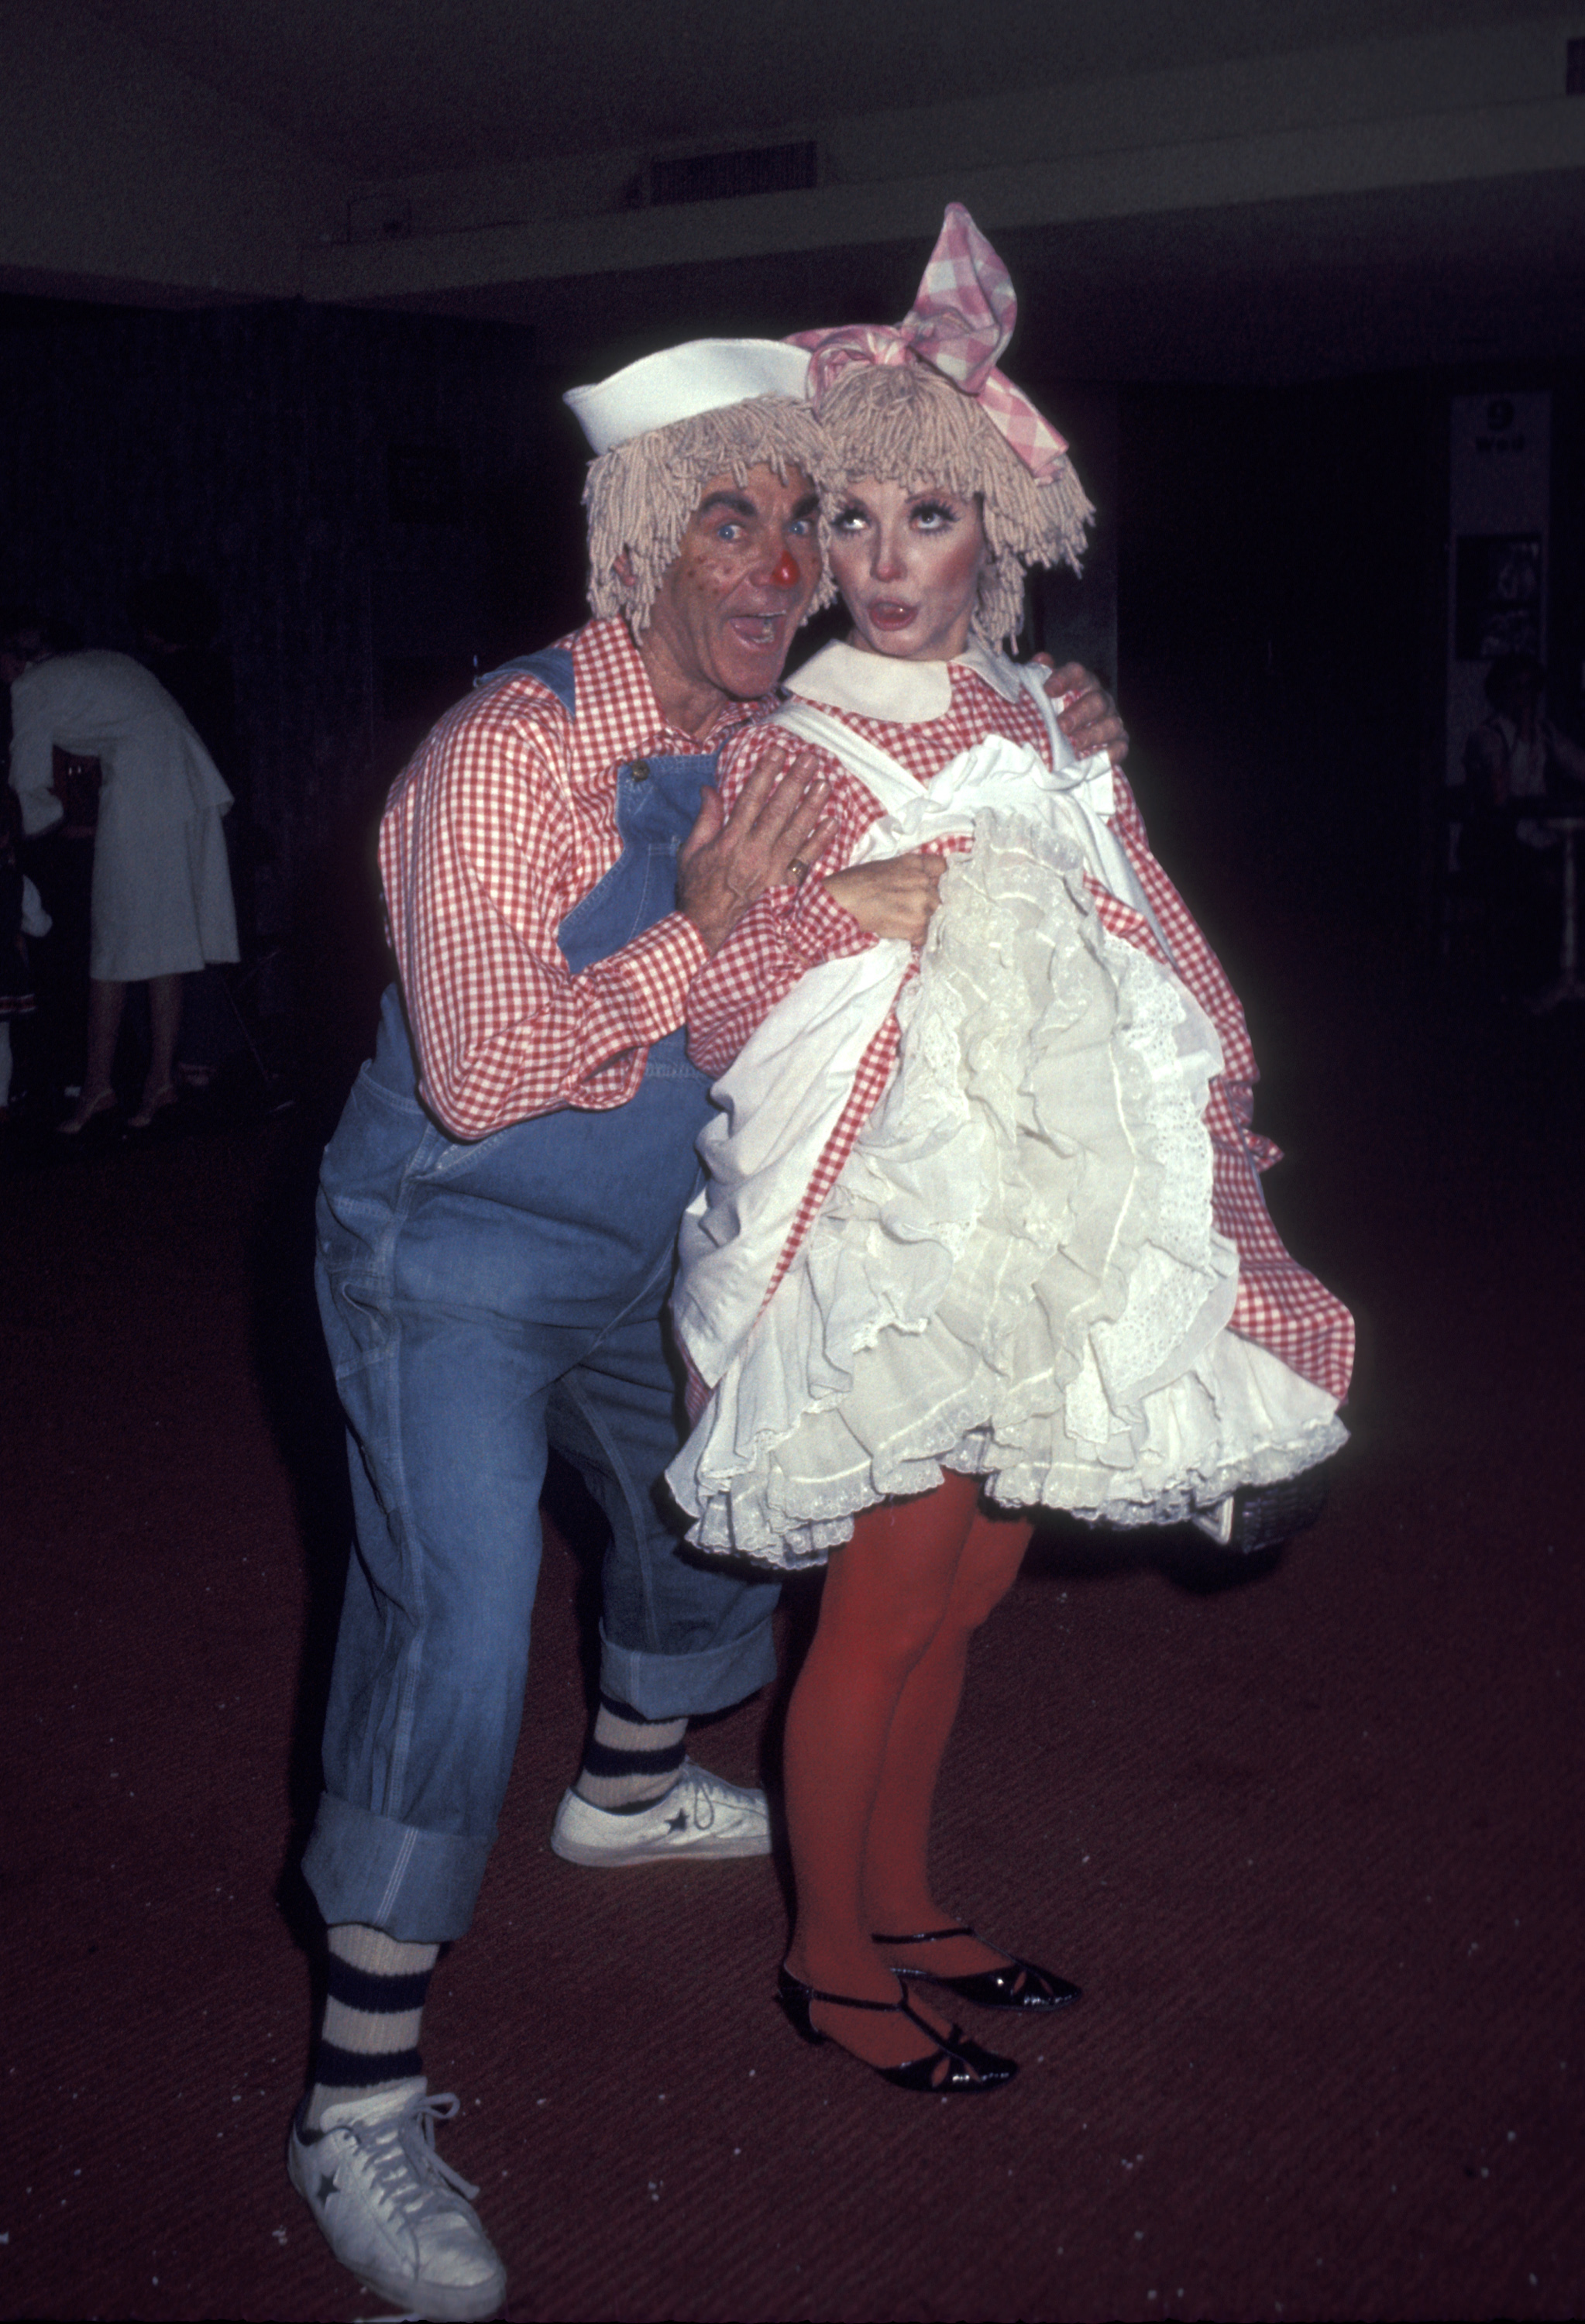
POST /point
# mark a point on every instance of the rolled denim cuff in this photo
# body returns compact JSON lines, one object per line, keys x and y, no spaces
{"x":685,"y":1686}
{"x":418,"y":1886}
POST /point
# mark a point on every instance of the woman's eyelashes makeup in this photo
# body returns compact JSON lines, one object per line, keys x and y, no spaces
{"x":930,"y":515}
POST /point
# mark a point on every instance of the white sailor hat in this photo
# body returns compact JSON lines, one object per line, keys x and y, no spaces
{"x":680,"y":383}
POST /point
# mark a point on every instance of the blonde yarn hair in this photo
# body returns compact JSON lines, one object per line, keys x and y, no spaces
{"x":905,"y":424}
{"x":641,"y":495}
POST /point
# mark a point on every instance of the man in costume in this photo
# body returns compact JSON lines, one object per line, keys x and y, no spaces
{"x":498,"y":1211}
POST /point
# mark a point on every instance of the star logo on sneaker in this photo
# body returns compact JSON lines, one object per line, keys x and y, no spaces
{"x":401,"y":2219}
{"x":678,"y":1822}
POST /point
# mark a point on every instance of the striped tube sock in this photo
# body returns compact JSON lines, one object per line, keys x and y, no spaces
{"x":629,"y":1760}
{"x":369,"y":2039}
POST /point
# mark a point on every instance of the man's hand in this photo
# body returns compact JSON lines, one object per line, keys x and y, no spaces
{"x":897,"y":898}
{"x":774,"y":832}
{"x":1090,"y":722}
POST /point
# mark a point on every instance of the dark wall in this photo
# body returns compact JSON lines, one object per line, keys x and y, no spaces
{"x":378,"y":499}
{"x":1566,"y":611}
{"x":1280,"y":640}
{"x":1282,"y":613}
{"x":1265,"y":550}
{"x":364,"y":493}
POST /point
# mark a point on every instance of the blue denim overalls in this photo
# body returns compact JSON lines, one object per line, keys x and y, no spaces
{"x":481,"y":1302}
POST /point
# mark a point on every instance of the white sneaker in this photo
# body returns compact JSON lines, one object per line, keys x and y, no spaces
{"x":392,"y":2211}
{"x":702,"y":1815}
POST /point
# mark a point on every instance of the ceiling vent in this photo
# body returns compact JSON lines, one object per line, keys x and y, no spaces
{"x":724,"y":176}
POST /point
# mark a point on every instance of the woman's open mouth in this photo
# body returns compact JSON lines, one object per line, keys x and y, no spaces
{"x":888,"y":614}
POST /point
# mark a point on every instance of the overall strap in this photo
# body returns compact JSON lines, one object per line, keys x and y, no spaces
{"x":880,"y":773}
{"x":552,"y":667}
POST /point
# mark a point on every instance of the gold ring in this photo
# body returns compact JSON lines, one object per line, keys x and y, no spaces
{"x":799,"y":869}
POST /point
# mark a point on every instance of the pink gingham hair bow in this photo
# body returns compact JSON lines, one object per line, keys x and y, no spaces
{"x":959,"y":323}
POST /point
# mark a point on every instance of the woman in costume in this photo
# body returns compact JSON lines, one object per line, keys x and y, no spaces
{"x":983,"y":1232}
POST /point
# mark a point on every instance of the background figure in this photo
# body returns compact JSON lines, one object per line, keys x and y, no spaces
{"x":1518,"y":769}
{"x":178,"y":620}
{"x":21,"y":916}
{"x":61,"y":863}
{"x":161,"y":903}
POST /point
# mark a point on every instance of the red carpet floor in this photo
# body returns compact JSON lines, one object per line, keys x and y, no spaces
{"x":1312,"y":1844}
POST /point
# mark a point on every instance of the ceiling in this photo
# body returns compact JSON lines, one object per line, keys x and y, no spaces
{"x":1249,"y":190}
{"x":391,"y":87}
{"x":1449,"y":277}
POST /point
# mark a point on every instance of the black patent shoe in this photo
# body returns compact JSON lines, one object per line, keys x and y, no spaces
{"x":967,"y":2067}
{"x":1017,"y":1984}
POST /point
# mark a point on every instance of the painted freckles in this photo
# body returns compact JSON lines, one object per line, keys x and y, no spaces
{"x":731,"y":601}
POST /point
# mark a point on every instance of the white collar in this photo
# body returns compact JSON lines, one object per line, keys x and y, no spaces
{"x":1000,"y":674}
{"x":903,"y":693}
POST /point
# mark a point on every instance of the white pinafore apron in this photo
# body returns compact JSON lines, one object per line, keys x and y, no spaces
{"x":1016,"y":1273}
{"x":781,"y":1097}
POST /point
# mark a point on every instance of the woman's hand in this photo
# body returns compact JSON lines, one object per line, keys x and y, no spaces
{"x":897,"y":898}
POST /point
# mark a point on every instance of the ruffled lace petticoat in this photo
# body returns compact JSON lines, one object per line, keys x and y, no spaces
{"x":1016,"y":1273}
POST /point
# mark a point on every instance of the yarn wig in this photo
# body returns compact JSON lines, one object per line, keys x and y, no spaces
{"x":641,"y":495}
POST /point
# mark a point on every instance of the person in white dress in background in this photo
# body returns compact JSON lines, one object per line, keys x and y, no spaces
{"x":161,"y":903}
{"x":984,"y":1230}
{"x":22,"y":917}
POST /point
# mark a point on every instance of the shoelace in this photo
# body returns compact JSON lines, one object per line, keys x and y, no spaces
{"x":708,"y":1792}
{"x":407,"y":2172}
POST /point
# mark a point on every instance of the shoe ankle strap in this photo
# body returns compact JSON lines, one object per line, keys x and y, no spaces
{"x":843,"y":2000}
{"x":921,"y":1936}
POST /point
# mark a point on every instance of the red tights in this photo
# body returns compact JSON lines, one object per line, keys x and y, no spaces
{"x":867,"y":1729}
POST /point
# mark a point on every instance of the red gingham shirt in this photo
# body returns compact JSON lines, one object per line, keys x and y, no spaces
{"x":1279,"y":1305}
{"x":505,"y":818}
